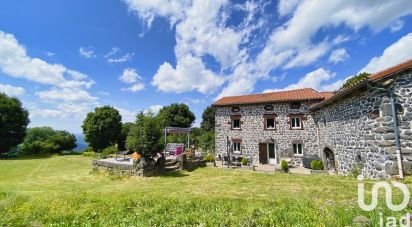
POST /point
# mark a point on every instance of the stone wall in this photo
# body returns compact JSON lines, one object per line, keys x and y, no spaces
{"x":359,"y":130}
{"x":252,"y":130}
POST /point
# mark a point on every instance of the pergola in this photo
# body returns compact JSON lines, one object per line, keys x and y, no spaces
{"x":177,"y":130}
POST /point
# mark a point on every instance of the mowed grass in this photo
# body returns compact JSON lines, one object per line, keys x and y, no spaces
{"x":63,"y":191}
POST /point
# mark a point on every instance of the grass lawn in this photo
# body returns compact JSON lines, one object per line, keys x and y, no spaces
{"x":63,"y":191}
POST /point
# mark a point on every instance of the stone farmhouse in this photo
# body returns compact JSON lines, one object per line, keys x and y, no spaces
{"x":348,"y":129}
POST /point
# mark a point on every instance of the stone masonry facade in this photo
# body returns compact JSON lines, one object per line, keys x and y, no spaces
{"x":358,"y":129}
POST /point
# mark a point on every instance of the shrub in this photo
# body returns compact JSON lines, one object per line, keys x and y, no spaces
{"x":316,"y":165}
{"x":209,"y":158}
{"x":356,"y":171}
{"x":284,"y":165}
{"x":108,"y":150}
{"x":245,"y":161}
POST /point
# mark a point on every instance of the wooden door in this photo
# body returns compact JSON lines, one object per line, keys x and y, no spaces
{"x":263,"y":153}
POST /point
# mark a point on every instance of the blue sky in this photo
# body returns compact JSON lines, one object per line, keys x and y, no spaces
{"x":63,"y":58}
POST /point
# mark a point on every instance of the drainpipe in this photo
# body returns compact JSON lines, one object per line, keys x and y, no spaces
{"x":396,"y":130}
{"x":395,"y":123}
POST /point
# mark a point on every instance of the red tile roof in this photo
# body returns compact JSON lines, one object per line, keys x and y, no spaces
{"x":372,"y":78}
{"x":392,"y":70}
{"x":281,"y":96}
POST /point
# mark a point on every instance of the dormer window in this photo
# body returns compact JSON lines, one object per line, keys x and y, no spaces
{"x":269,"y":108}
{"x":295,"y":105}
{"x":235,"y":109}
{"x":269,"y":121}
{"x":235,"y":122}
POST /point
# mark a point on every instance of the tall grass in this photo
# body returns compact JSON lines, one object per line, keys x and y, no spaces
{"x":62,"y":191}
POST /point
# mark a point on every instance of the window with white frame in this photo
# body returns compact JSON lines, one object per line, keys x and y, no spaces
{"x":297,"y":149}
{"x":296,"y":122}
{"x":236,"y":147}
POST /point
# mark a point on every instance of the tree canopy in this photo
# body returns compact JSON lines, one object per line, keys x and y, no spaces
{"x":353,"y":80}
{"x":144,"y":136}
{"x":13,"y":122}
{"x":46,"y":140}
{"x":121,"y":143}
{"x":208,"y":119}
{"x":102,"y":127}
{"x":176,"y":115}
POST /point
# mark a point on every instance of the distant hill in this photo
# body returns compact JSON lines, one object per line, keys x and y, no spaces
{"x":81,"y":144}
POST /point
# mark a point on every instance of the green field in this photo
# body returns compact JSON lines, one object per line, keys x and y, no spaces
{"x":63,"y":191}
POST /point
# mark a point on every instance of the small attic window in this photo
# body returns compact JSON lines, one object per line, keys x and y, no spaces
{"x":295,"y":105}
{"x":235,"y":109}
{"x":269,"y":107}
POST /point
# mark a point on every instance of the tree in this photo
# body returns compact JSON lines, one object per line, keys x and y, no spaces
{"x":144,"y":136}
{"x":208,"y":119}
{"x":13,"y":122}
{"x":121,"y":143}
{"x":176,"y":115}
{"x":355,"y":79}
{"x":207,"y":141}
{"x":102,"y":127}
{"x":46,"y":140}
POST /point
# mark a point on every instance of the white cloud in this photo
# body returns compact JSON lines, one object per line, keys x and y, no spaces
{"x":11,"y":90}
{"x":320,"y":80}
{"x":396,"y":53}
{"x":112,"y":52}
{"x":50,"y":54}
{"x":202,"y":30}
{"x":127,"y":115}
{"x":135,"y":87}
{"x":190,"y":74}
{"x":153,"y":109}
{"x":338,"y":55}
{"x":148,"y":10}
{"x":65,"y":95}
{"x":396,"y":26}
{"x":14,"y":62}
{"x":129,"y":76}
{"x":287,"y":6}
{"x":87,"y":52}
{"x":123,"y":58}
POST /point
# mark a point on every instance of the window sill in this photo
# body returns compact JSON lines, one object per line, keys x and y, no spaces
{"x":298,"y":155}
{"x":270,"y":129}
{"x":237,"y":129}
{"x":297,"y":129}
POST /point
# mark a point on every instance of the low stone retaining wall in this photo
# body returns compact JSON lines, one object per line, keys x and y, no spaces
{"x":127,"y":169}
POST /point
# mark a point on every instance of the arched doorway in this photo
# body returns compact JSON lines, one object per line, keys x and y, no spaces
{"x":329,"y":158}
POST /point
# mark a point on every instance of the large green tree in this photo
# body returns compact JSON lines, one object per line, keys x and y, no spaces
{"x":176,"y":115}
{"x":102,"y":127}
{"x":121,"y":143}
{"x":208,"y":119}
{"x":144,"y":136}
{"x":13,"y":122}
{"x":46,"y":140}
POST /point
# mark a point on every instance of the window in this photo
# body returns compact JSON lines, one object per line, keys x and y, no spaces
{"x":236,"y":148}
{"x":295,"y":105}
{"x":270,"y":123}
{"x":295,"y":123}
{"x":236,"y":123}
{"x":297,"y":149}
{"x":269,"y":108}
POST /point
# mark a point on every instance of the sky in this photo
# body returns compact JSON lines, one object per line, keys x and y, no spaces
{"x":64,"y":58}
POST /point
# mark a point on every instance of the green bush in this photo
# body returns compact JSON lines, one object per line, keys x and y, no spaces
{"x":316,"y":165}
{"x":209,"y":158}
{"x":245,"y":161}
{"x":356,"y":171}
{"x":108,"y":151}
{"x":284,"y":165}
